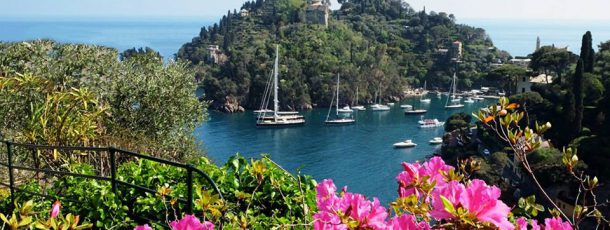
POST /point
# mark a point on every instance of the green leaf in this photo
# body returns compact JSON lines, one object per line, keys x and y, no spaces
{"x":448,"y":205}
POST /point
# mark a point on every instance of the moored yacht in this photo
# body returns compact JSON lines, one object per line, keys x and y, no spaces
{"x":378,"y":107}
{"x":277,"y":118}
{"x":455,"y":101}
{"x":339,"y":120}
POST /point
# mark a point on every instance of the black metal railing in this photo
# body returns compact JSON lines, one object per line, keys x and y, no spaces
{"x":112,"y":178}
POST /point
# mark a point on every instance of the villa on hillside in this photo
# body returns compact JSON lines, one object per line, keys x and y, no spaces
{"x":318,"y":12}
{"x":244,"y":13}
{"x":522,"y":62}
{"x":524,"y":84}
{"x":215,"y":55}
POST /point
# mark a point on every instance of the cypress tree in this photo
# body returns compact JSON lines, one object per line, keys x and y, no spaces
{"x":578,"y":97}
{"x":587,"y":54}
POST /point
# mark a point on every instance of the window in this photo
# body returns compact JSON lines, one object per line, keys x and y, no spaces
{"x":523,"y":90}
{"x":523,"y":79}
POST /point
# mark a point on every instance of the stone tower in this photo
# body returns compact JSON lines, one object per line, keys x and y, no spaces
{"x":318,"y":12}
{"x":537,"y":43}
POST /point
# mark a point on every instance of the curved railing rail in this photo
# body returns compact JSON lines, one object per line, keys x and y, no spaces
{"x":112,"y":178}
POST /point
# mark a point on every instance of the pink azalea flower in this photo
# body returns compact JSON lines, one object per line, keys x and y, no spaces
{"x":406,"y":222}
{"x":143,"y":227}
{"x":556,"y":223}
{"x":407,"y":178}
{"x":328,"y":221}
{"x":370,"y":215}
{"x":522,"y":223}
{"x":326,"y":189}
{"x":434,"y":169}
{"x":190,"y":222}
{"x":535,"y":225}
{"x":482,"y":200}
{"x":326,"y":198}
{"x":55,"y":209}
{"x":452,"y":191}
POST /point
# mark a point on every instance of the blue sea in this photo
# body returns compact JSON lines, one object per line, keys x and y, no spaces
{"x":359,"y":156}
{"x":518,"y":37}
{"x":165,"y":35}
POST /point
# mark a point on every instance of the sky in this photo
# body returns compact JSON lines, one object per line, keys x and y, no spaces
{"x":212,"y":9}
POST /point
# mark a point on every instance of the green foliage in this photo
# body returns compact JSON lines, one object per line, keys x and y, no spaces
{"x":378,"y":48}
{"x":549,"y":59}
{"x":145,"y":52}
{"x":528,"y":207}
{"x":506,"y":76}
{"x":260,"y":195}
{"x":457,"y":121}
{"x":25,"y":216}
{"x":68,"y":94}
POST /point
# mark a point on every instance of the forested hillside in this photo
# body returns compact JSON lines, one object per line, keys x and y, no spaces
{"x":378,"y":46}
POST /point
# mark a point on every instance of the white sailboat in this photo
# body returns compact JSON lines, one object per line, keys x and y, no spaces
{"x":338,"y":120}
{"x":379,"y":107}
{"x":423,"y":93}
{"x":278,"y":118}
{"x":452,"y":101}
{"x":358,"y":107}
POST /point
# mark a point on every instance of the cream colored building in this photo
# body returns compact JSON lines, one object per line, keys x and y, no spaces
{"x":524,"y":83}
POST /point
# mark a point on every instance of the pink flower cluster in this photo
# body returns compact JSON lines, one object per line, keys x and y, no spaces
{"x":188,"y":222}
{"x":476,"y":201}
{"x":555,"y":223}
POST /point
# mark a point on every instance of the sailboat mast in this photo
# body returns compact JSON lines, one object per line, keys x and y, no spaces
{"x":275,"y":85}
{"x":337,"y":107}
{"x":450,"y":89}
{"x":357,"y":95}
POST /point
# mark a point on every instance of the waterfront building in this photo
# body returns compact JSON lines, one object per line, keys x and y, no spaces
{"x":318,"y":12}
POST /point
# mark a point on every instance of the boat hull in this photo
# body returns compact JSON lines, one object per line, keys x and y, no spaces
{"x":404,"y":146}
{"x":415,"y":112}
{"x":454,"y":106}
{"x":340,"y":122}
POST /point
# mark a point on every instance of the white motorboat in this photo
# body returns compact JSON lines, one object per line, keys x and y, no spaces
{"x":391,"y":104}
{"x":436,"y":141}
{"x":339,"y":120}
{"x":427,"y":100}
{"x":469,"y":100}
{"x":359,"y":108}
{"x":277,"y":119}
{"x":406,"y":107}
{"x":477,"y":98}
{"x":431,"y":123}
{"x":378,"y":107}
{"x":345,"y":109}
{"x":405,"y":144}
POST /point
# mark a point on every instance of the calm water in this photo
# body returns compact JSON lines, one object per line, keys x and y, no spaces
{"x":360,"y":156}
{"x":518,"y":37}
{"x":164,"y":35}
